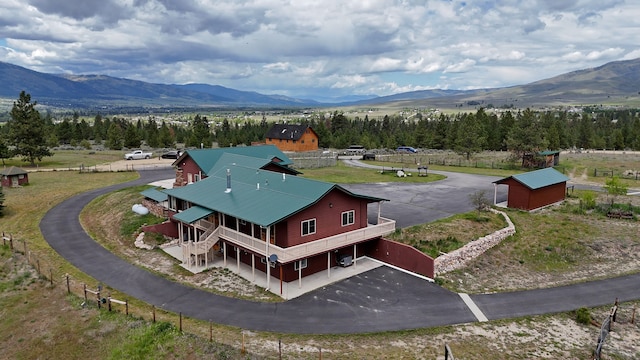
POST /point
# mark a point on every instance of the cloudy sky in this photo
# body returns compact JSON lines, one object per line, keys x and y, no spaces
{"x":320,"y":48}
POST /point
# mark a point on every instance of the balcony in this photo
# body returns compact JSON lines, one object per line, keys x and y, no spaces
{"x":384,"y":227}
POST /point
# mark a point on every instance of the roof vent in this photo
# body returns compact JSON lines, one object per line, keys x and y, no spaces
{"x":284,"y":177}
{"x":228,"y":182}
{"x":257,"y":186}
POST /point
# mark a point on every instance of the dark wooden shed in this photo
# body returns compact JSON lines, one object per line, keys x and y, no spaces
{"x":535,"y":189}
{"x":14,"y":176}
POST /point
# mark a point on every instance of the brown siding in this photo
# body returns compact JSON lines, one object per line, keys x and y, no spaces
{"x":521,"y":197}
{"x":187,"y":167}
{"x":400,"y":255}
{"x":7,"y":181}
{"x":328,"y":215}
{"x":307,"y":142}
{"x":547,"y":195}
{"x":167,"y":228}
{"x":518,"y":197}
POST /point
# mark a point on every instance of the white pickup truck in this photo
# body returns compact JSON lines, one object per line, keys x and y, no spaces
{"x":137,"y":155}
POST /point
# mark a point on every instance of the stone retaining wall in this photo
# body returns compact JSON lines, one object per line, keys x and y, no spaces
{"x":460,"y":257}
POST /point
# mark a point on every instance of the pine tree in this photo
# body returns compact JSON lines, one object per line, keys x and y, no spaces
{"x":27,"y":130}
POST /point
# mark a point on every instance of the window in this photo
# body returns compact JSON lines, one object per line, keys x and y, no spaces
{"x":348,"y":217}
{"x":308,"y":227}
{"x":298,"y":265}
{"x":264,"y":261}
{"x":172,"y":203}
{"x":196,"y":177}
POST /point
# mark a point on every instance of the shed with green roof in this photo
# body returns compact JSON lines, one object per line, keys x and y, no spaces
{"x":535,"y":189}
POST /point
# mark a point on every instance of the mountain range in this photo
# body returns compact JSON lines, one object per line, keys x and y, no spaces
{"x":615,"y":82}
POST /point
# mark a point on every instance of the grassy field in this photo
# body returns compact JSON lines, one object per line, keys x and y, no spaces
{"x":40,"y":321}
{"x":62,"y":159}
{"x":343,"y":174}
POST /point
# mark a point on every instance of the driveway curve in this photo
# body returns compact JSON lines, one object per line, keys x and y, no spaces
{"x":383,"y":299}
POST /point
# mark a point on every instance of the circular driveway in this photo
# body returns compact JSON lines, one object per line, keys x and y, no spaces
{"x":383,"y":299}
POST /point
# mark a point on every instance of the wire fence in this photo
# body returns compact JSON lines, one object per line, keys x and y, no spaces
{"x":606,"y":328}
{"x":100,"y":298}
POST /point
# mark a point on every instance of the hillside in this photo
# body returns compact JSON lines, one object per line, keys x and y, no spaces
{"x":105,"y":92}
{"x":612,"y":83}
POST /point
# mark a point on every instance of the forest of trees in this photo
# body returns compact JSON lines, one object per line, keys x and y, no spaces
{"x":466,"y":133}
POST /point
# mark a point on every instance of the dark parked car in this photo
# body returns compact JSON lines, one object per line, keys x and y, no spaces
{"x":173,"y":154}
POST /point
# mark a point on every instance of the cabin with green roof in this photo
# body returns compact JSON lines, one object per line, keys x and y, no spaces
{"x":535,"y":189}
{"x":195,"y":165}
{"x":250,"y":208}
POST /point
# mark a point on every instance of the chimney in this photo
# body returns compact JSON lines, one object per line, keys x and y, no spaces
{"x":228,"y":182}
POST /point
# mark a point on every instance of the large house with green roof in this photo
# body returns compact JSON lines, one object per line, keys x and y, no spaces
{"x":249,"y":207}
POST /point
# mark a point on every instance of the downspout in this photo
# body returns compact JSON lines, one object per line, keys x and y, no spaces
{"x":266,"y":256}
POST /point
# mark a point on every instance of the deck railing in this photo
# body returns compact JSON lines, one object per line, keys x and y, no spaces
{"x":384,"y":227}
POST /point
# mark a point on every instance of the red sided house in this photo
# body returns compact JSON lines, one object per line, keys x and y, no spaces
{"x":14,"y":176}
{"x":285,"y":226}
{"x":290,"y":137}
{"x":535,"y":189}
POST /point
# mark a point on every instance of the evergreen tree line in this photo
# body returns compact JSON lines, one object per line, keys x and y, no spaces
{"x":466,"y":133}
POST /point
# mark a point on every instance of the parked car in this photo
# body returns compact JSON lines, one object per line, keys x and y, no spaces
{"x":137,"y":155}
{"x":171,"y":154}
{"x":354,"y":150}
{"x":407,"y":149}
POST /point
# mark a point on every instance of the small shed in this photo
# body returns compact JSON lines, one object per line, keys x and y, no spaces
{"x":14,"y":176}
{"x":534,"y":189}
{"x":542,"y":159}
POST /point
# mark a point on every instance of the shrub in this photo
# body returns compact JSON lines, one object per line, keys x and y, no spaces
{"x":583,"y":316}
{"x":588,"y":200}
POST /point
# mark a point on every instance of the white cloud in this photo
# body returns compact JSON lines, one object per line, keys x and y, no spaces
{"x":463,"y":66}
{"x":325,"y":47}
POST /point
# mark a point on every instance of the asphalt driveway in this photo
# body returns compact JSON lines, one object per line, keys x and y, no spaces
{"x":383,"y":299}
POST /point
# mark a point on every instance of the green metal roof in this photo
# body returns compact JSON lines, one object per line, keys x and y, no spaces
{"x":548,"y":152}
{"x":206,"y":159}
{"x":155,"y":195}
{"x":538,"y":179}
{"x":258,"y":196}
{"x":194,"y":213}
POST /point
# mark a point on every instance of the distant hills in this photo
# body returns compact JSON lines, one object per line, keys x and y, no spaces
{"x":614,"y":82}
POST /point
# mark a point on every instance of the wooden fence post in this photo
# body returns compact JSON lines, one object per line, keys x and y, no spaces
{"x":51,"y":276}
{"x":126,"y":307}
{"x":24,"y":245}
{"x":181,"y":321}
{"x":68,"y":286}
{"x":11,"y":242}
{"x":210,"y":331}
{"x":38,"y":265}
{"x":153,"y":308}
{"x":84,"y":286}
{"x":109,"y":302}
